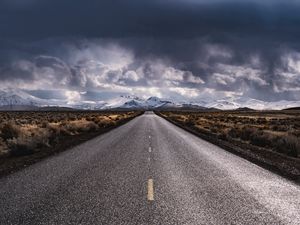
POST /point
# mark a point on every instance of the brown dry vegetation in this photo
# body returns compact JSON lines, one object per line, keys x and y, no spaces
{"x":25,"y":133}
{"x":276,"y":131}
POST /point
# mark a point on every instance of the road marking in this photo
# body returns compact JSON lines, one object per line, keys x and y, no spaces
{"x":150,"y":195}
{"x":149,"y":159}
{"x":149,"y":149}
{"x":149,"y":136}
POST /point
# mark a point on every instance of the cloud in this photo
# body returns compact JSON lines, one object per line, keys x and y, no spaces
{"x":186,"y":92}
{"x":234,"y":74}
{"x":21,"y":69}
{"x":175,"y":48}
{"x":131,"y":75}
{"x":136,"y":18}
{"x":98,"y":65}
{"x":288,"y":74}
{"x":72,"y":97}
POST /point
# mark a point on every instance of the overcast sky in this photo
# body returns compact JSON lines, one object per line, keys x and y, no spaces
{"x":176,"y":49}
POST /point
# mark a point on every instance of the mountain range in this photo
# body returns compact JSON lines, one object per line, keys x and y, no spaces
{"x":19,"y":100}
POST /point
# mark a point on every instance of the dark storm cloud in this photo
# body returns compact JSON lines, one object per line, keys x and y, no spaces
{"x":156,"y":18}
{"x":226,"y":45}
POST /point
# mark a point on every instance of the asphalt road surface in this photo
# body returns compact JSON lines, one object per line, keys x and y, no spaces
{"x":147,"y":171}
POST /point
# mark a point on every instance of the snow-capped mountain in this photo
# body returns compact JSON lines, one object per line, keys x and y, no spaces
{"x":132,"y":102}
{"x":17,"y":99}
{"x":87,"y":105}
{"x":10,"y":98}
{"x":244,"y":102}
{"x":223,"y":104}
{"x":155,"y":102}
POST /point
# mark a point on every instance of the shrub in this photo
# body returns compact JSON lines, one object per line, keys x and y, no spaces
{"x":261,"y":139}
{"x":10,"y":130}
{"x":247,"y":132}
{"x":233,"y":133}
{"x":3,"y":147}
{"x":20,"y":147}
{"x":223,"y":135}
{"x":44,"y":124}
{"x":92,"y":127}
{"x":24,"y":145}
{"x":288,"y":144}
{"x":214,"y":130}
{"x":190,"y":123}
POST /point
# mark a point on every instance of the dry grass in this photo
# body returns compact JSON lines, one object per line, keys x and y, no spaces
{"x":23,"y":133}
{"x":277,"y":131}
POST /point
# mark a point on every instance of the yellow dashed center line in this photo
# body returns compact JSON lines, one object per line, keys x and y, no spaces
{"x":150,"y":195}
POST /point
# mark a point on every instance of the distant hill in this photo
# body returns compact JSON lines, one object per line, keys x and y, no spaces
{"x":244,"y":109}
{"x":293,"y":108}
{"x":55,"y":108}
{"x":18,"y":108}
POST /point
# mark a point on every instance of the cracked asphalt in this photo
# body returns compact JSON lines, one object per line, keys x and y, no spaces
{"x":147,"y":171}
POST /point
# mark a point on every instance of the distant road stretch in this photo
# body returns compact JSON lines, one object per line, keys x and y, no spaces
{"x":147,"y":171}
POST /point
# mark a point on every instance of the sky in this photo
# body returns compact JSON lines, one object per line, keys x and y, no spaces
{"x":189,"y":50}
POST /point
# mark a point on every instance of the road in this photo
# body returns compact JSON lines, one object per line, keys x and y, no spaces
{"x":147,"y":171}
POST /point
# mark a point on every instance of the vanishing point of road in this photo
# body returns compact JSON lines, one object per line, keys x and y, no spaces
{"x":147,"y":171}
